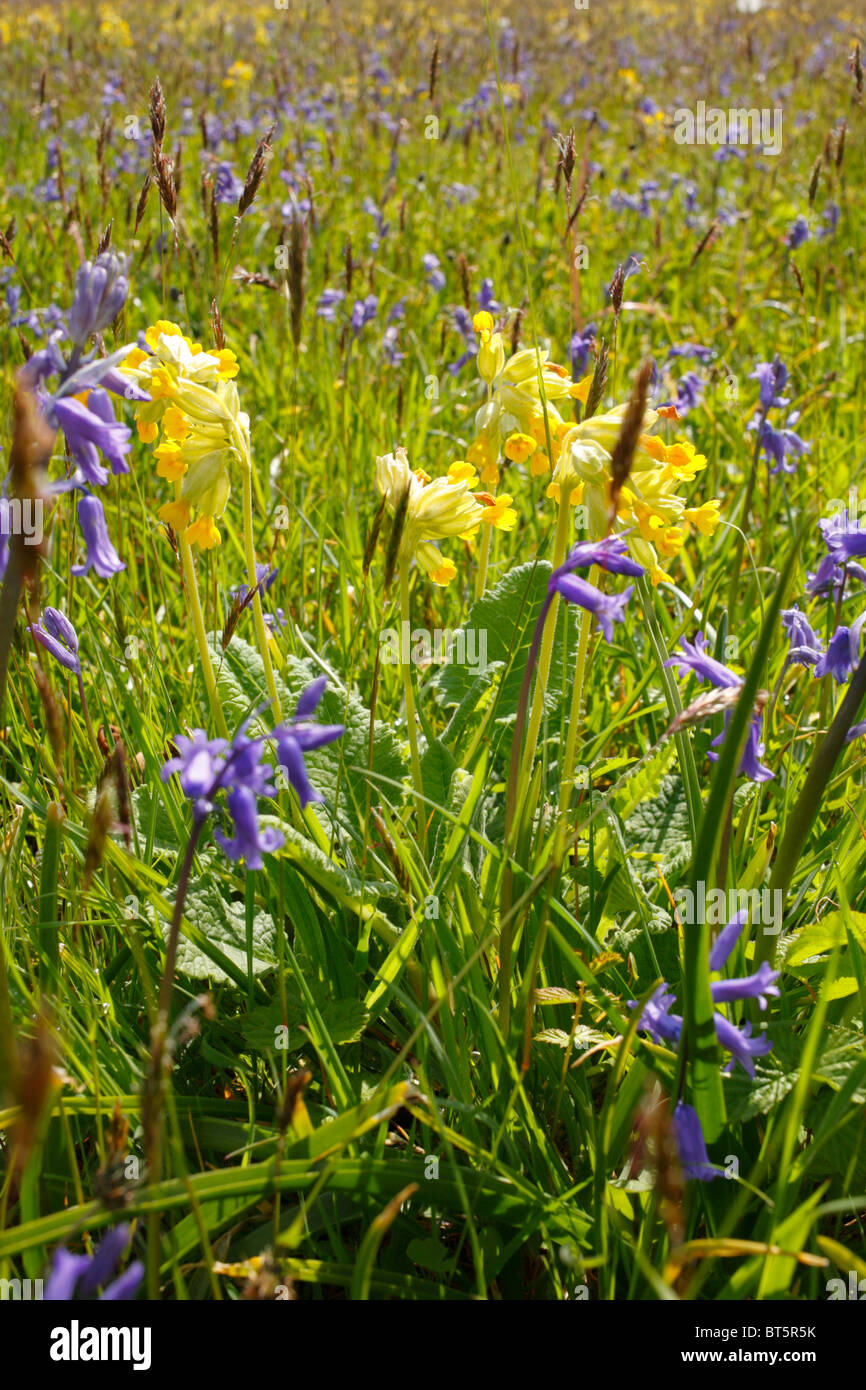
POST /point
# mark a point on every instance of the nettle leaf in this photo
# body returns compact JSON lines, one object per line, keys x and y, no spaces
{"x":223,"y":923}
{"x":151,"y":814}
{"x":661,"y":825}
{"x":242,"y":686}
{"x":504,"y":618}
{"x":262,"y":1028}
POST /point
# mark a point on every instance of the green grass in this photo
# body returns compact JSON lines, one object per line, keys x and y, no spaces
{"x":426,"y":1155}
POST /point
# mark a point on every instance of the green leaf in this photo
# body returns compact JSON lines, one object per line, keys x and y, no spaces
{"x":223,"y":922}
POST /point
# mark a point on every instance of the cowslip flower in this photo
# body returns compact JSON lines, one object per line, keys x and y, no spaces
{"x":79,"y":1276}
{"x":650,"y":508}
{"x":491,"y":353}
{"x":436,"y":510}
{"x":194,"y":401}
{"x":515,"y":407}
{"x":56,"y":634}
{"x":693,"y":656}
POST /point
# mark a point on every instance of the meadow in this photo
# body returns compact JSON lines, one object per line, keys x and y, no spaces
{"x":432,"y":700}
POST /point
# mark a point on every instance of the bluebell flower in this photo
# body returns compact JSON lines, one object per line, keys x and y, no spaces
{"x":843,"y":651}
{"x":101,"y":554}
{"x":227,"y":186}
{"x":844,"y":536}
{"x":363,"y":311}
{"x":486,"y":298}
{"x":79,"y":1276}
{"x":433,"y":271}
{"x":250,"y":841}
{"x":198,"y":764}
{"x":695,"y":350}
{"x":610,"y":555}
{"x":656,"y":1017}
{"x":805,"y":647}
{"x":391,"y":346}
{"x":691,"y":1145}
{"x":299,"y":736}
{"x":328,"y":303}
{"x":690,"y":388}
{"x":56,"y":634}
{"x":695,"y":657}
{"x":797,"y":233}
{"x":579,"y":349}
{"x":779,"y":443}
{"x":101,"y":287}
{"x":771,"y":377}
{"x":91,"y":429}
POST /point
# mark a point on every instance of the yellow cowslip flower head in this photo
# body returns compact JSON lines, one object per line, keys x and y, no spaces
{"x":498,"y":511}
{"x":460,"y":471}
{"x":205,"y":432}
{"x":518,"y":447}
{"x":491,"y":354}
{"x":515,"y":409}
{"x":650,"y":509}
{"x":238,"y":72}
{"x":435,"y":511}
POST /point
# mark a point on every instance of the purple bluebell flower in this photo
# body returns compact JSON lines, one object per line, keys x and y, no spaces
{"x":608,"y":608}
{"x":843,"y":651}
{"x":328,"y":304}
{"x":56,"y":634}
{"x":758,"y":986}
{"x":771,"y":377}
{"x":657,"y":1019}
{"x":101,"y":287}
{"x":199,"y":762}
{"x":690,"y":388}
{"x":101,"y":554}
{"x":487,"y":299}
{"x":579,"y":350}
{"x":89,"y":429}
{"x":79,"y":1276}
{"x":691,"y":1146}
{"x":363,"y":311}
{"x":227,"y":186}
{"x":797,"y":233}
{"x":695,"y":657}
{"x":250,"y":841}
{"x":742,"y":1046}
{"x":609,"y":554}
{"x":844,"y":536}
{"x":805,"y":647}
{"x":856,"y":731}
{"x":830,"y":217}
{"x":299,"y":736}
{"x":779,"y":443}
{"x":391,"y":346}
{"x":433,"y":271}
{"x":695,"y":350}
{"x":727,"y":940}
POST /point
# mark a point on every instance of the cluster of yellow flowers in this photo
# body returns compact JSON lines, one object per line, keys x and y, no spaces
{"x":517,"y":421}
{"x":437,"y":509}
{"x":194,"y":403}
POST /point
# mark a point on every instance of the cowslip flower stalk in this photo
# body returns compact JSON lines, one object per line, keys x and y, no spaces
{"x":409,"y":698}
{"x":549,"y":632}
{"x":205,"y":434}
{"x":576,"y":716}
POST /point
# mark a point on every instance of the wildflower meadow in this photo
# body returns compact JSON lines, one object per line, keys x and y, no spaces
{"x":432,"y":676}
